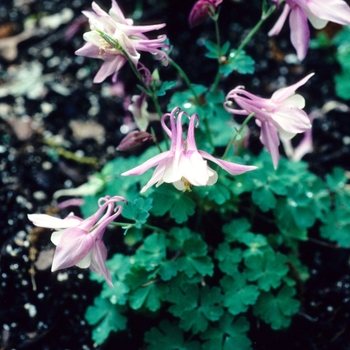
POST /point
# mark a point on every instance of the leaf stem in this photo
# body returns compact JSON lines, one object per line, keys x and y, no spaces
{"x":238,"y":132}
{"x":265,"y":15}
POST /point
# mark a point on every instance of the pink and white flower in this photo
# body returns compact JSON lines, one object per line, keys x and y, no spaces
{"x":79,"y":242}
{"x":184,"y":165}
{"x":318,"y":12}
{"x":114,"y":39}
{"x":281,"y":115}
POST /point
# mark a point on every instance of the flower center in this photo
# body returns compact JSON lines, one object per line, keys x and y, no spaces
{"x":187,"y":185}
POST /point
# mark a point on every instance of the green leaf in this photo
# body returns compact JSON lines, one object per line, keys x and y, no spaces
{"x":230,"y":334}
{"x":137,"y":210}
{"x":240,"y":62}
{"x":119,"y":265}
{"x":337,"y":227}
{"x":196,"y":259}
{"x":213,"y":49}
{"x":256,"y":243}
{"x":342,"y":88}
{"x":166,"y":85}
{"x":169,"y":337}
{"x":336,"y":180}
{"x":264,"y":199}
{"x":146,"y":292}
{"x":168,"y":199}
{"x":116,"y":295}
{"x":195,"y":307}
{"x":106,"y":317}
{"x":177,"y":236}
{"x":186,"y":100}
{"x":229,"y":259}
{"x":236,"y":229}
{"x":126,"y":186}
{"x":168,"y":270}
{"x":277,"y":310}
{"x":238,"y":294}
{"x":219,"y":193}
{"x":148,"y":296}
{"x":268,"y":269}
{"x":151,"y":254}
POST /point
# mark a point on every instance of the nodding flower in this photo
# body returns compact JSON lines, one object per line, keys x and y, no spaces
{"x":78,"y":241}
{"x":282,"y":114}
{"x":318,"y":12}
{"x":116,"y":40}
{"x":184,"y":165}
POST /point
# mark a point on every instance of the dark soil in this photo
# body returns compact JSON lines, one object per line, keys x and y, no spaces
{"x":42,"y":151}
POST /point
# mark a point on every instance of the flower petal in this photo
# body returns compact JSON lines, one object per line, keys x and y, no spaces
{"x":109,"y":67}
{"x":299,"y":31}
{"x":269,"y":138}
{"x":150,"y":163}
{"x":331,"y":10}
{"x":73,"y":246}
{"x":98,"y":265}
{"x":231,"y":168}
{"x":48,"y":221}
{"x":290,"y":119}
{"x":282,"y":94}
{"x":275,"y":30}
{"x":194,"y":168}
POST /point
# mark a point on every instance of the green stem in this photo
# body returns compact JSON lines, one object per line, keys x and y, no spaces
{"x":239,"y":131}
{"x":186,"y":80}
{"x":196,"y":97}
{"x":217,"y":34}
{"x":264,"y":16}
{"x":130,"y":224}
{"x":218,"y":43}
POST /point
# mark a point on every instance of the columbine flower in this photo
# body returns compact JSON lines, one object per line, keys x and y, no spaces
{"x":184,"y":165}
{"x":115,"y":39}
{"x":202,"y":10}
{"x":79,"y":242}
{"x":281,"y":114}
{"x":319,"y":12}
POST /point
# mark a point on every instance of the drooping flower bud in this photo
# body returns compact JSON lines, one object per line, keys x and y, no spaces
{"x":202,"y":10}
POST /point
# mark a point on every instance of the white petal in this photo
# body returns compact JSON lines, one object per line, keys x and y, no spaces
{"x":56,"y":236}
{"x":85,"y":262}
{"x":48,"y":221}
{"x":179,"y":185}
{"x":316,"y":22}
{"x":213,"y":177}
{"x":296,"y":100}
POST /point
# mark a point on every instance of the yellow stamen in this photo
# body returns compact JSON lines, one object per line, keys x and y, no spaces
{"x":187,"y":185}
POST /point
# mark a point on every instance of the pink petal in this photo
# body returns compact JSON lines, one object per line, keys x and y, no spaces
{"x":150,"y":163}
{"x":284,"y":93}
{"x":231,"y":168}
{"x":89,"y":50}
{"x":73,"y":246}
{"x":269,"y":138}
{"x":280,"y":22}
{"x":98,"y":265}
{"x":331,"y":10}
{"x":157,"y":177}
{"x":109,"y":67}
{"x":299,"y":31}
{"x":117,"y":14}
